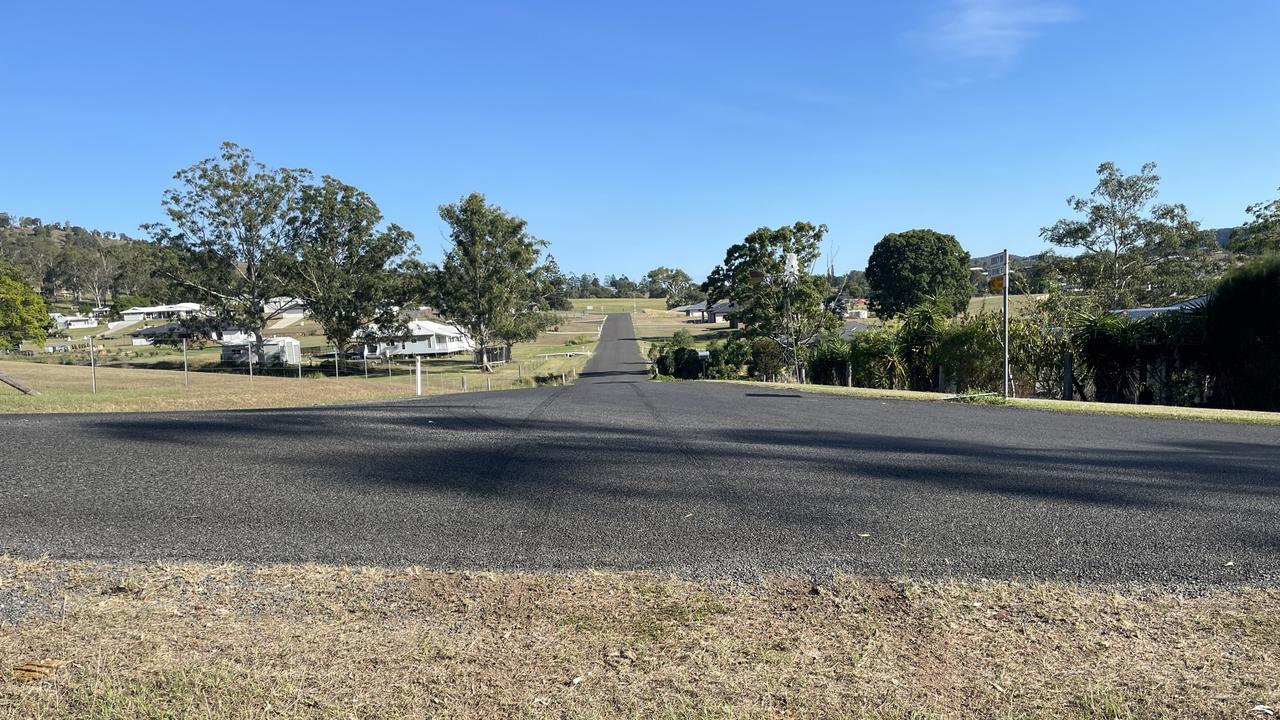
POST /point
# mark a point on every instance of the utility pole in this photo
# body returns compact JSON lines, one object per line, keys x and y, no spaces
{"x":93,"y":368}
{"x":792,"y":268}
{"x":1007,"y":279}
{"x":185,"y":379}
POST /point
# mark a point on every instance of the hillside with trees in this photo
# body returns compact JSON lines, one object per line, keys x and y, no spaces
{"x":85,"y":265}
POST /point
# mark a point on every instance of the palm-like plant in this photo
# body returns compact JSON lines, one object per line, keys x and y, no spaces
{"x":1109,"y":347}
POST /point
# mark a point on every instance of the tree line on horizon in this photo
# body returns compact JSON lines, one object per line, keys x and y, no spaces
{"x":238,"y":234}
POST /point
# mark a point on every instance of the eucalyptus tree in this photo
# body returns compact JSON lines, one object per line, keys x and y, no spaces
{"x":1261,"y":235}
{"x":491,"y":282}
{"x":350,"y":273}
{"x":1136,"y":249}
{"x":228,"y":224}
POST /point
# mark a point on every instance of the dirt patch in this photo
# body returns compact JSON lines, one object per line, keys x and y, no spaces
{"x":320,"y":641}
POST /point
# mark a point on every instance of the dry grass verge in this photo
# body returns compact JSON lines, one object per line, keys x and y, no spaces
{"x":1161,"y":412}
{"x":65,"y":388}
{"x":317,"y":641}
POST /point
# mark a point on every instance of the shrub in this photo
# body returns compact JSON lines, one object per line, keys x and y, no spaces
{"x":828,"y":360}
{"x":971,"y":353}
{"x":876,"y":359}
{"x":687,"y":364}
{"x":767,"y":359}
{"x":728,"y":360}
{"x":1107,"y":347}
{"x":682,"y":339}
{"x":1242,"y":329}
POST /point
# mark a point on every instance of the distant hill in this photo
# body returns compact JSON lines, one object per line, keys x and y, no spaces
{"x":1223,"y":235}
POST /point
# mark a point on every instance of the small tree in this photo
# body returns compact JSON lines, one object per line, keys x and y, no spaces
{"x":489,"y":283}
{"x":906,"y":268}
{"x":229,"y":222}
{"x":346,"y":270}
{"x":767,"y":359}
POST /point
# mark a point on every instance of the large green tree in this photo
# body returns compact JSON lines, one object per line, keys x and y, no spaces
{"x":1135,"y":249}
{"x":491,"y":283}
{"x":912,"y":267}
{"x":673,"y":284}
{"x":348,"y":271}
{"x":22,"y":312}
{"x":769,"y":301}
{"x":228,"y":225}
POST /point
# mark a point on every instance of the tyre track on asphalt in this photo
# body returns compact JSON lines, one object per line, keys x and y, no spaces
{"x":726,"y":488}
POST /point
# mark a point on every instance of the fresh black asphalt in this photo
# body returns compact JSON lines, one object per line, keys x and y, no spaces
{"x":617,"y":472}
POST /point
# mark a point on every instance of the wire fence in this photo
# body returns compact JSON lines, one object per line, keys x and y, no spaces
{"x":355,"y":379}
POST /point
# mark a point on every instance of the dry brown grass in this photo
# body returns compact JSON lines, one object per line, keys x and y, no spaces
{"x":65,"y":388}
{"x":319,"y":641}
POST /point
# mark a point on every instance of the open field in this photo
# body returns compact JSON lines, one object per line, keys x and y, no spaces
{"x":1166,"y":412}
{"x":66,"y":388}
{"x":609,"y":305}
{"x":1018,"y":304}
{"x":655,"y":326}
{"x":150,"y":378}
{"x":193,"y":640}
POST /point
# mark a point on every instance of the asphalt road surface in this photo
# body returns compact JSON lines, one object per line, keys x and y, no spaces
{"x":617,"y":472}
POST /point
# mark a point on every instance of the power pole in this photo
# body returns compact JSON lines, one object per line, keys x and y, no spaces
{"x":93,"y":368}
{"x":792,"y":269}
{"x":1007,"y":279}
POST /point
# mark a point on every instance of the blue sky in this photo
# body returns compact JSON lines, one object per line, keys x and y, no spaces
{"x":645,"y":134}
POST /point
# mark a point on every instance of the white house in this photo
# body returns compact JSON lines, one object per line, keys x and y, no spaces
{"x":286,"y":308}
{"x":72,"y":322}
{"x":168,"y":331}
{"x":160,"y":312}
{"x":275,"y":350}
{"x":426,"y":337}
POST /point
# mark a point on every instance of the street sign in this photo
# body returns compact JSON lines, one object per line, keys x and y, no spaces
{"x":996,"y":283}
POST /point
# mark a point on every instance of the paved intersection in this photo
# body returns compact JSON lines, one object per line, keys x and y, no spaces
{"x":620,"y":473}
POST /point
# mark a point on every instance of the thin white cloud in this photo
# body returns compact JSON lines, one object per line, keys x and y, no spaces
{"x":991,"y":30}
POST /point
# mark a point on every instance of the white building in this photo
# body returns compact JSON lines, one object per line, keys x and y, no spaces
{"x":426,"y":337}
{"x":286,"y":308}
{"x":171,"y":332}
{"x":72,"y":322}
{"x":176,"y":311}
{"x":275,"y":351}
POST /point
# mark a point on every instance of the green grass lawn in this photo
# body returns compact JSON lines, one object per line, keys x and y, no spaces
{"x":618,"y":304}
{"x":1018,"y":304}
{"x":658,"y":326}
